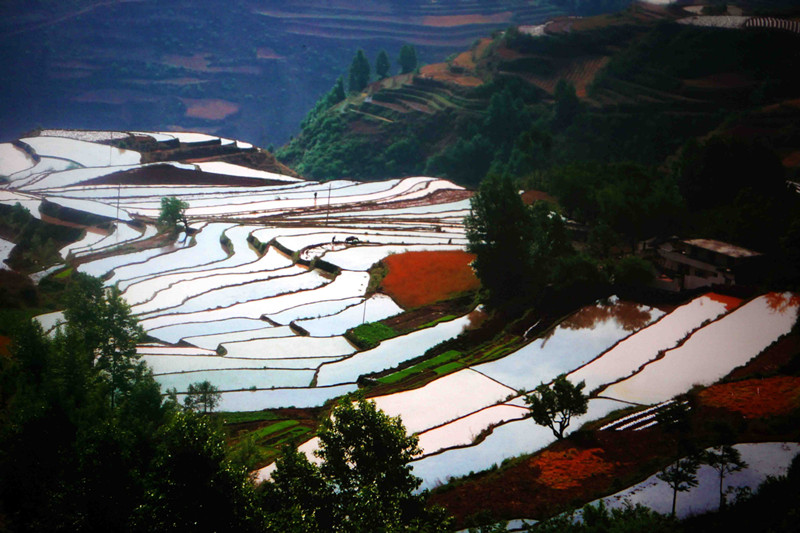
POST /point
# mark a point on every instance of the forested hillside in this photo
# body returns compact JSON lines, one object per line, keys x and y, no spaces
{"x":533,"y":98}
{"x":248,"y":70}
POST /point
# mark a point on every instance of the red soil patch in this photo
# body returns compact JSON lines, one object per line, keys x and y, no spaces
{"x":194,"y":62}
{"x":201,"y":63}
{"x":448,"y":21}
{"x":721,"y":80}
{"x":568,"y":468}
{"x":421,"y":278}
{"x":465,"y":60}
{"x":731,"y":302}
{"x":267,"y":53}
{"x":531,"y":197}
{"x":581,"y":72}
{"x":210,"y":108}
{"x":780,"y":106}
{"x":5,"y":343}
{"x":442,"y":72}
{"x":180,"y":82}
{"x":755,"y":398}
{"x":792,"y":160}
{"x":525,"y":489}
{"x":507,"y":53}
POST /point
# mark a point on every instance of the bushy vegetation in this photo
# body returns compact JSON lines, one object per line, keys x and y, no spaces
{"x":369,"y":335}
{"x":38,"y":242}
{"x":364,"y":482}
{"x":89,"y":443}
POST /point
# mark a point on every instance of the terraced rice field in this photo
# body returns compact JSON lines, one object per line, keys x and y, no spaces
{"x":258,"y":297}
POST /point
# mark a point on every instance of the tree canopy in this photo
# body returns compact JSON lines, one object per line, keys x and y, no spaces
{"x":407,"y":59}
{"x":382,"y":64}
{"x":202,"y":396}
{"x":359,"y":73}
{"x":173,"y":210}
{"x":364,"y":482}
{"x":515,"y":245}
{"x":554,"y":406}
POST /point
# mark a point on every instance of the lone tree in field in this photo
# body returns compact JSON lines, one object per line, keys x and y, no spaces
{"x":202,"y":396}
{"x":407,"y":59}
{"x":680,"y":476}
{"x":554,"y":406}
{"x":173,"y":211}
{"x":725,"y":459}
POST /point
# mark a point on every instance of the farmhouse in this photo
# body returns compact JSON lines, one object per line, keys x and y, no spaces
{"x":697,"y":263}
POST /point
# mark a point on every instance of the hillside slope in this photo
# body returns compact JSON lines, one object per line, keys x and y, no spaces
{"x":248,"y":70}
{"x":639,"y":77}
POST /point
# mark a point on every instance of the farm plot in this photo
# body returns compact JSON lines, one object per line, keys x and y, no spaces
{"x":121,"y":233}
{"x":13,"y":159}
{"x":390,"y":353}
{"x":84,"y":153}
{"x":101,"y":267}
{"x":419,"y":278}
{"x":444,"y":400}
{"x":5,"y":251}
{"x":464,"y":431}
{"x":41,"y":169}
{"x":237,"y":379}
{"x":573,"y":343}
{"x":187,"y":281}
{"x":28,"y":202}
{"x":644,"y":346}
{"x":205,"y":251}
{"x":211,"y":342}
{"x":289,"y":280}
{"x":377,"y":307}
{"x":173,"y":333}
{"x":289,"y":348}
{"x":89,"y":239}
{"x":712,"y":351}
{"x":505,"y":441}
{"x":220,"y":167}
{"x":280,"y":397}
{"x":91,"y":206}
{"x":363,"y":257}
{"x":763,"y":459}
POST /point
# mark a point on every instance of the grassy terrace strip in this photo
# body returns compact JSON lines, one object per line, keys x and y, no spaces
{"x":368,"y":336}
{"x":441,"y":364}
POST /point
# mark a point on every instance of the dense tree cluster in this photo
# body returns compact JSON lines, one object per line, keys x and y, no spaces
{"x":407,"y":59}
{"x":359,"y":73}
{"x":520,"y":250}
{"x":173,"y":210}
{"x":362,"y":484}
{"x":88,"y":443}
